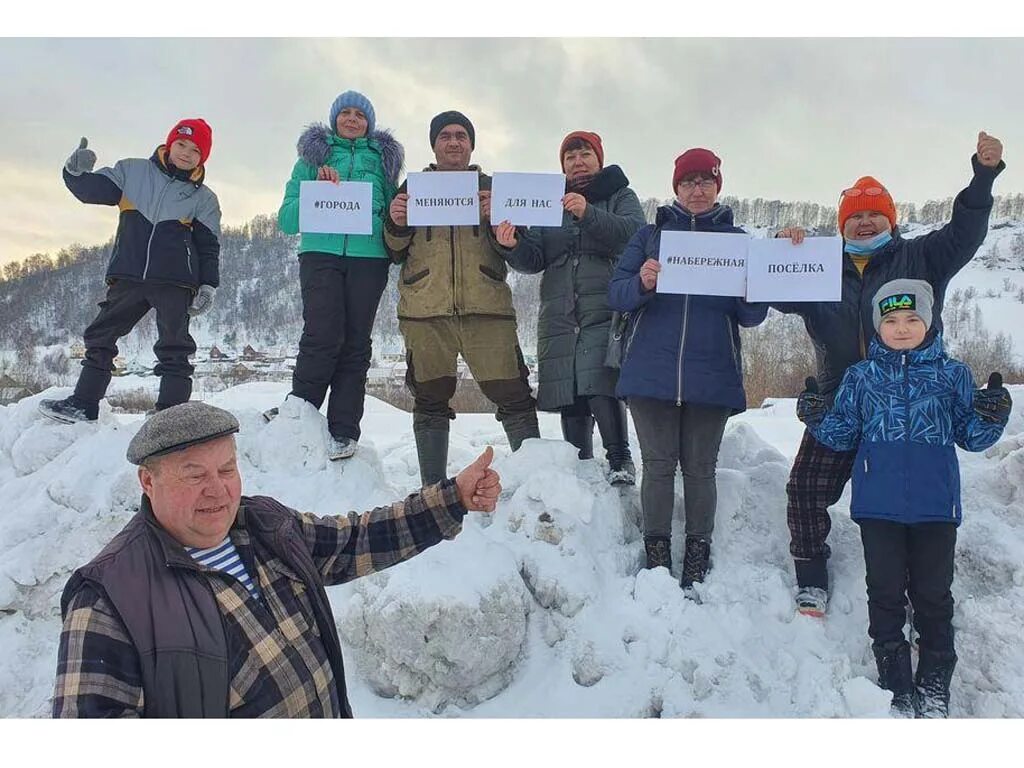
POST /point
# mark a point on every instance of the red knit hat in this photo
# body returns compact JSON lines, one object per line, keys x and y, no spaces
{"x":867,"y":194}
{"x":698,"y":160}
{"x":194,"y":129}
{"x":591,"y":138}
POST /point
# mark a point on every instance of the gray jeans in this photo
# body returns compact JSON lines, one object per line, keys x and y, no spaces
{"x":689,"y":436}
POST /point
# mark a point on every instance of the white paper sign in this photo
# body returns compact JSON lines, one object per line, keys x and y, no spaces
{"x":345,"y":208}
{"x":705,"y":263}
{"x":528,"y":199}
{"x":777,"y":270}
{"x":443,"y":198}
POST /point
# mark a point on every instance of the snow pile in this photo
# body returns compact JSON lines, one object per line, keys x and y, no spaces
{"x":540,"y":609}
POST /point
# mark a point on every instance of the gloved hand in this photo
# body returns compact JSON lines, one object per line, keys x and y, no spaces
{"x":993,"y":403}
{"x":202,"y":301}
{"x":82,"y":160}
{"x":811,"y":406}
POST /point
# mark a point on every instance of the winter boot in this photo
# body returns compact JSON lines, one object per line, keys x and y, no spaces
{"x":934,"y":672}
{"x":895,"y":675}
{"x":696,"y":561}
{"x":658,"y":551}
{"x":579,"y":430}
{"x":611,"y":420}
{"x":341,"y":448}
{"x":69,"y":410}
{"x":432,"y":451}
{"x":812,"y":586}
{"x":520,"y":427}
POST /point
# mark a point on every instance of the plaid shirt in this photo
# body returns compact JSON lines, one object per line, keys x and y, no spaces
{"x":278,"y":664}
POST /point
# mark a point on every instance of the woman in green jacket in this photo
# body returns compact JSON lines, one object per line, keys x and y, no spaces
{"x":342,"y":276}
{"x":577,"y":260}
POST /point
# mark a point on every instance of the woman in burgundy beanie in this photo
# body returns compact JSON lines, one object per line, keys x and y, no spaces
{"x":682,"y":372}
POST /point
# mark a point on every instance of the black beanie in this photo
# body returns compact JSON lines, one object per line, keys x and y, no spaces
{"x":451,"y":117}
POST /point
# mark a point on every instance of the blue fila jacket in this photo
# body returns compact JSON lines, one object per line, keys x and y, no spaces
{"x":906,"y":410}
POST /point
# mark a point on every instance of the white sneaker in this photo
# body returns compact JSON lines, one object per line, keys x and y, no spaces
{"x":341,"y":448}
{"x":812,"y":601}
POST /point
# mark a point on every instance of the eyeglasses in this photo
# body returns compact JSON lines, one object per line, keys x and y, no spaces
{"x":705,"y":184}
{"x":869,"y":191}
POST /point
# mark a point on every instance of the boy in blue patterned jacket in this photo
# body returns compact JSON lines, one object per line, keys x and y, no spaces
{"x":904,"y":408}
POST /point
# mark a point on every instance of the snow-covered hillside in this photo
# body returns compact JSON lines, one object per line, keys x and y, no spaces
{"x":540,"y":609}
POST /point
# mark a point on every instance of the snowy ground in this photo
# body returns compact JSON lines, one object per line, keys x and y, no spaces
{"x":540,"y":609}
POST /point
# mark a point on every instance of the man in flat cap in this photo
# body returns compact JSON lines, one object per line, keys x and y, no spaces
{"x":212,"y":604}
{"x":454,"y":299}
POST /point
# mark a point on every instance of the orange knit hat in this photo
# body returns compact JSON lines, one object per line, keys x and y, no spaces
{"x":867,"y":194}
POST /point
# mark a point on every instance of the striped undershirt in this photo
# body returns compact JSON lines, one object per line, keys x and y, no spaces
{"x":224,"y":557}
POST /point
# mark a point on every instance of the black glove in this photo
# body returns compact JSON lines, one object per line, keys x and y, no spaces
{"x":993,"y":403}
{"x":82,"y":160}
{"x":811,"y":406}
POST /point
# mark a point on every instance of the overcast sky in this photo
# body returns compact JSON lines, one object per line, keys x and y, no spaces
{"x":796,"y":119}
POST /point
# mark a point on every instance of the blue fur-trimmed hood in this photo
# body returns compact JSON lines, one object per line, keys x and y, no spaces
{"x":314,"y":146}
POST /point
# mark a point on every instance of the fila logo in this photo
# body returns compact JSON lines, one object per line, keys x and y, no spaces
{"x":897,"y":302}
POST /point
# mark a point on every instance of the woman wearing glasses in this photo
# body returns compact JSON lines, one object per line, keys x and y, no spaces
{"x":874,"y":254}
{"x":681,"y":372}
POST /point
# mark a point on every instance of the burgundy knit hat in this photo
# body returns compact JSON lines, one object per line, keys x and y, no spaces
{"x":697,"y":160}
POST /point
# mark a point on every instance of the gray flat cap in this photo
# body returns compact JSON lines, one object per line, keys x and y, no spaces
{"x":178,"y":427}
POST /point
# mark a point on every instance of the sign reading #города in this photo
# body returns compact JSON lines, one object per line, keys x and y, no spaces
{"x":345,"y":208}
{"x":703,"y":263}
{"x":443,"y":198}
{"x":527,"y":199}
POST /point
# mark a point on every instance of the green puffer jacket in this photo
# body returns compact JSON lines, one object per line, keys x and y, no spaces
{"x":377,"y":158}
{"x":577,"y":260}
{"x":448,"y":271}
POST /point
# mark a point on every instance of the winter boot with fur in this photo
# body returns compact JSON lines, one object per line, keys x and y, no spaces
{"x":895,"y":675}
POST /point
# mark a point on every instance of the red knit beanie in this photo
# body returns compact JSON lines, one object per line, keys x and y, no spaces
{"x":194,"y":129}
{"x":697,"y":160}
{"x":872,"y":196}
{"x":591,"y":138}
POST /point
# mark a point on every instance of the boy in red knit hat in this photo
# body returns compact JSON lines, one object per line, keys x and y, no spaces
{"x":165,"y":257}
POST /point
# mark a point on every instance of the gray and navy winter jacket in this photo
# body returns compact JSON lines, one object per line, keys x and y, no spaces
{"x":906,"y":410}
{"x":684,"y":349}
{"x":169,"y":228}
{"x":841,"y":330}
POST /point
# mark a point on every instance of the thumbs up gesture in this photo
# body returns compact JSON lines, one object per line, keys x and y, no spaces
{"x":990,"y":150}
{"x":993,"y":403}
{"x":82,"y":160}
{"x":478,"y":484}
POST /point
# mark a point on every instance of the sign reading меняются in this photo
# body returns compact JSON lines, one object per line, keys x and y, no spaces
{"x":527,"y":199}
{"x":443,"y":198}
{"x":345,"y":208}
{"x":777,"y":270}
{"x":704,"y":263}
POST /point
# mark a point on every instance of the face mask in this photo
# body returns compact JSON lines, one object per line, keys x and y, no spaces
{"x":865,"y":247}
